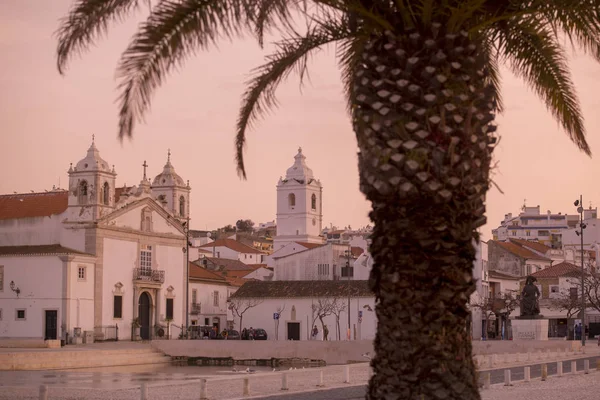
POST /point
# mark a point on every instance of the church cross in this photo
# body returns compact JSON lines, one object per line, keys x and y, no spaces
{"x":169,"y":155}
{"x":145,"y":166}
{"x":93,"y":137}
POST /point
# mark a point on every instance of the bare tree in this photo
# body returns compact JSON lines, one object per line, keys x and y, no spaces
{"x":240,"y":306}
{"x":568,"y":302}
{"x":338,"y":308}
{"x":322,"y":308}
{"x":279,"y":310}
{"x":501,"y":306}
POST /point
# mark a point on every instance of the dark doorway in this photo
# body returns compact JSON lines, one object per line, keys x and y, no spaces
{"x":51,"y":325}
{"x":293,"y":331}
{"x":144,"y":313}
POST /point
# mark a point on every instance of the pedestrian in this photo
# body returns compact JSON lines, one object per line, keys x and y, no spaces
{"x":325,"y":332}
{"x":251,"y":334}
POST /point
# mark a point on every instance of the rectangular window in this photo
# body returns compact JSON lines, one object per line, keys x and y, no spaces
{"x":527,"y":233}
{"x":169,"y":309}
{"x":543,"y":233}
{"x":1,"y":278}
{"x":146,"y":258}
{"x":194,"y":296}
{"x":573,"y":293}
{"x":206,"y":321}
{"x":118,"y":307}
{"x":81,"y":273}
{"x":0,"y":314}
{"x":216,"y":299}
{"x":20,"y":315}
{"x":554,"y":289}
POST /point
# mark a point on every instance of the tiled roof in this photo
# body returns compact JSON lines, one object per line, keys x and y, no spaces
{"x":519,"y":251}
{"x":233,"y":245}
{"x":501,"y":275}
{"x":225,"y":263}
{"x":310,"y":245}
{"x":558,"y":270}
{"x":533,"y":245}
{"x":198,"y":272}
{"x":53,"y":249}
{"x":28,"y":205}
{"x":293,"y":289}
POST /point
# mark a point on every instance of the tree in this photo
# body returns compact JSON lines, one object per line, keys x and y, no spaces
{"x":279,"y":311}
{"x":240,"y":306}
{"x":338,"y":308}
{"x":568,"y":302}
{"x":422,"y":85}
{"x":322,"y":308}
{"x":501,"y":306}
{"x":244,"y":225}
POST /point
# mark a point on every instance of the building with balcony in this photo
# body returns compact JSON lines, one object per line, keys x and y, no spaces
{"x":95,"y":257}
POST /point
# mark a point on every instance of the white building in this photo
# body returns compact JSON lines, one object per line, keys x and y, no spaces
{"x":299,"y":206}
{"x":209,"y":292}
{"x":234,"y":250}
{"x":531,"y":224}
{"x":95,"y":257}
{"x":287,"y":310}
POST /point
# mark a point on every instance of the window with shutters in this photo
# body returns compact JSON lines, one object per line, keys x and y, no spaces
{"x":117,"y":307}
{"x":216,"y":299}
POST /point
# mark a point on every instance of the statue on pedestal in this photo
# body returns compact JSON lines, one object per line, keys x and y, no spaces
{"x":530,"y":294}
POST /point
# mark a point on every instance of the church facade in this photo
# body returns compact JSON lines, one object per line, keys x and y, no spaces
{"x":95,"y":257}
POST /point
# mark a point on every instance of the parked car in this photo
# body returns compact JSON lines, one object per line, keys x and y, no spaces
{"x":232,"y":334}
{"x":260,"y":334}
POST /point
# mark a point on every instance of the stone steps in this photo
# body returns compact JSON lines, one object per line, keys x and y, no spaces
{"x":69,"y":359}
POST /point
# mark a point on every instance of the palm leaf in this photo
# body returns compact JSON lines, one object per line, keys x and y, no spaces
{"x":269,"y":13}
{"x":291,"y":54}
{"x":86,"y":21}
{"x":173,"y":31}
{"x":536,"y":56}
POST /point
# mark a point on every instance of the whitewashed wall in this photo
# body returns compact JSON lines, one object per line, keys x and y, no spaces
{"x":205,"y":297}
{"x":288,"y":249}
{"x":41,"y":281}
{"x":80,"y":301}
{"x":30,"y":231}
{"x":304,"y":265}
{"x":261,"y":316}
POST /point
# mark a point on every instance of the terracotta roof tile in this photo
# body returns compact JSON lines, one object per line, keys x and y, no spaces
{"x":533,"y":245}
{"x":233,"y":245}
{"x":519,"y":251}
{"x":292,"y":289}
{"x":501,"y":275}
{"x":198,"y":272}
{"x":29,"y":205}
{"x":225,"y":263}
{"x":310,"y":245}
{"x":53,"y":249}
{"x":558,"y":270}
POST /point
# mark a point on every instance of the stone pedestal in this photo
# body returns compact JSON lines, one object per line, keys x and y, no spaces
{"x":530,"y":329}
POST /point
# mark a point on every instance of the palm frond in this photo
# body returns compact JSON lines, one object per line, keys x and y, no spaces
{"x":173,"y":31}
{"x":493,"y":65}
{"x":348,"y":54}
{"x":292,"y":54}
{"x":86,"y":21}
{"x":271,"y":13}
{"x":536,"y":56}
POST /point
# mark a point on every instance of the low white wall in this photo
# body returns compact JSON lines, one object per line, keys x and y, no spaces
{"x":522,"y":346}
{"x":335,"y":352}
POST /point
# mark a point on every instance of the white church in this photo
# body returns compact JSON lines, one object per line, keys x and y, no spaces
{"x":96,"y":257}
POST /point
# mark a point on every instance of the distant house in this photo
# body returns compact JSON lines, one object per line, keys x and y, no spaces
{"x":209,"y":292}
{"x":285,"y":308}
{"x":234,"y":250}
{"x":514,"y":260}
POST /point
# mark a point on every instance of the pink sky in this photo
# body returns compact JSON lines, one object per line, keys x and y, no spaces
{"x":48,"y":120}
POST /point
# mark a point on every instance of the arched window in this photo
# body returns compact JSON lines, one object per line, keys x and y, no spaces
{"x":292,"y":200}
{"x":313,"y":202}
{"x":182,"y":206}
{"x":83,"y":192}
{"x":105,"y":193}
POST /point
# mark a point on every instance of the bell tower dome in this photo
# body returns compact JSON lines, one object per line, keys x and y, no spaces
{"x":91,"y":187}
{"x":170,"y":189}
{"x":299,"y":205}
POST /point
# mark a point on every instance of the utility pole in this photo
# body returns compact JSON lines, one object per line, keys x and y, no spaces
{"x":349,"y":253}
{"x":186,"y":230}
{"x":582,"y":226}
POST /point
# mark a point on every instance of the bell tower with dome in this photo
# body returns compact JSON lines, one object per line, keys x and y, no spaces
{"x":91,"y":187}
{"x":299,"y":205}
{"x":170,"y":190}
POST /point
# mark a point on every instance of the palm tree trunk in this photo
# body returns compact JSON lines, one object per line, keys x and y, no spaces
{"x":422,"y":119}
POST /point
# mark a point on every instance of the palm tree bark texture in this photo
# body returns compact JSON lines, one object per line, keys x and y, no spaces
{"x":422,"y":122}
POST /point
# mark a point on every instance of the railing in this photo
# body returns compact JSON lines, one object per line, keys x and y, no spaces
{"x":149,"y":275}
{"x":196,"y":308}
{"x":106,"y":333}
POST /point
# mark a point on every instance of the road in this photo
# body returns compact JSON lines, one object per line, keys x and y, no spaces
{"x":496,"y":376}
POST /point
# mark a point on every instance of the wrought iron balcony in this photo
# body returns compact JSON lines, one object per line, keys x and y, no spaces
{"x":149,"y":275}
{"x":196,"y":308}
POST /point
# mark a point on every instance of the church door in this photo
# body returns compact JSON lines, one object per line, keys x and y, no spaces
{"x":144,"y":315}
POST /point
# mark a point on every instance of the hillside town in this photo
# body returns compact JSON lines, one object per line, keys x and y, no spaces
{"x":102,"y":262}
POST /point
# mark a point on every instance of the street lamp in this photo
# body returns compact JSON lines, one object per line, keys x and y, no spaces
{"x":186,"y":250}
{"x":582,"y":226}
{"x":348,"y":254}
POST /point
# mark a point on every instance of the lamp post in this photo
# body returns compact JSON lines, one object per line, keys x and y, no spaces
{"x":348,"y":254}
{"x":186,"y":250}
{"x":582,"y":226}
